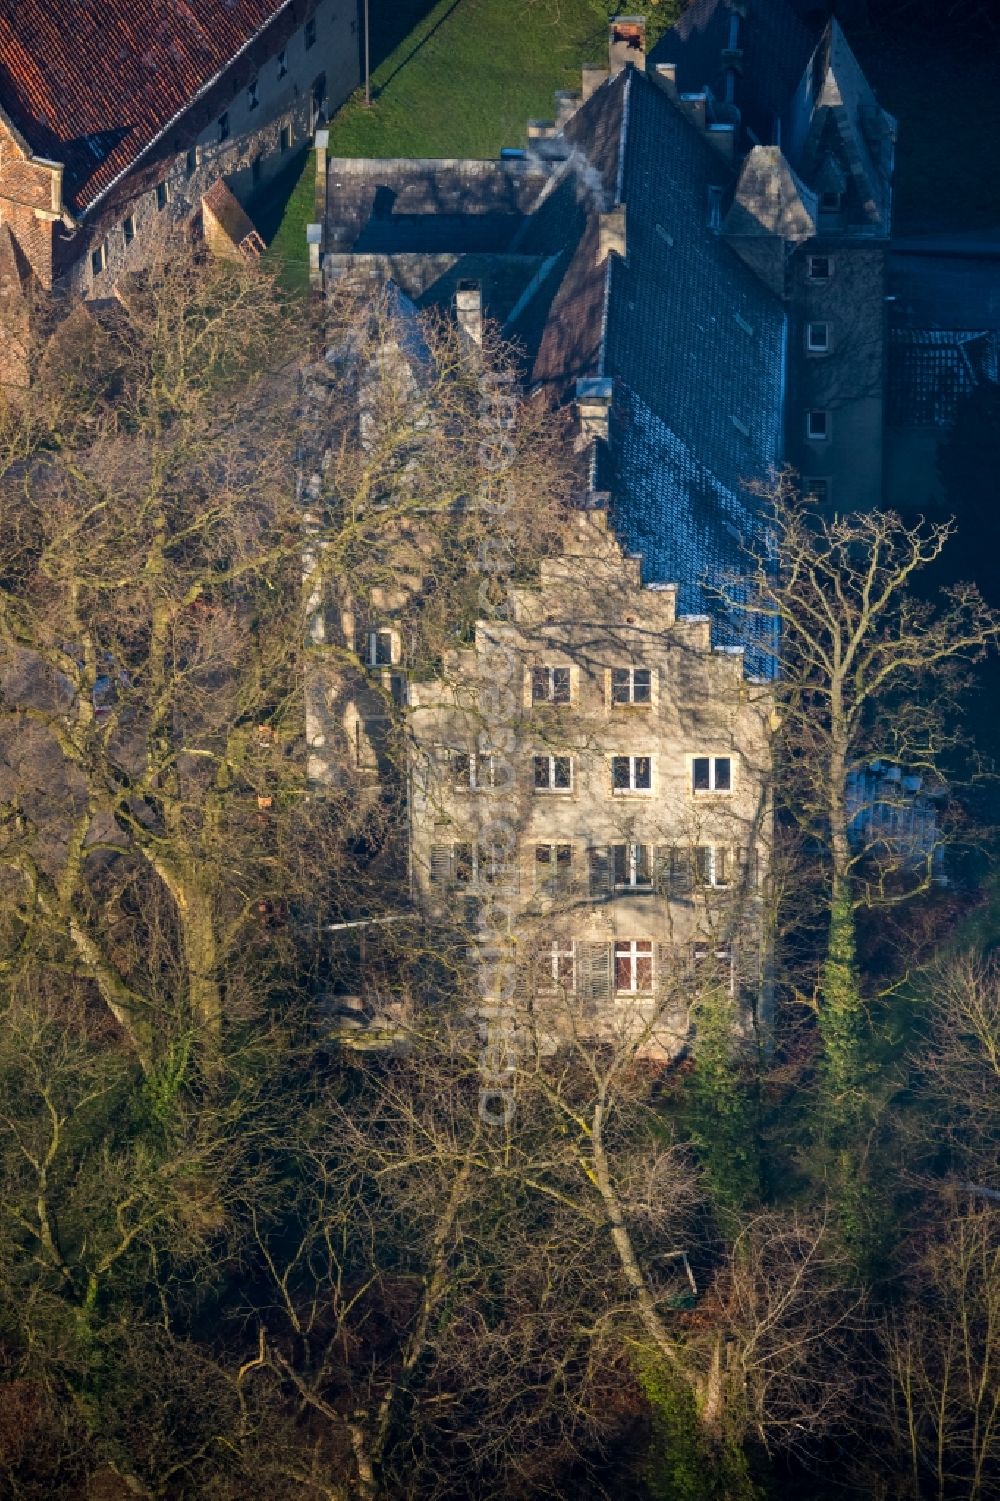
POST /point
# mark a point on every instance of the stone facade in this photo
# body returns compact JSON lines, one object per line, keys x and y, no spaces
{"x":589,"y":780}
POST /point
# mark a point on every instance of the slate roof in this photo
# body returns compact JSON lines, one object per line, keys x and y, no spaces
{"x":776,"y":46}
{"x":931,"y":370}
{"x":93,"y":83}
{"x":693,"y":341}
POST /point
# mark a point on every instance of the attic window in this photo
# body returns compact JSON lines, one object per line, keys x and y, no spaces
{"x":714,"y":207}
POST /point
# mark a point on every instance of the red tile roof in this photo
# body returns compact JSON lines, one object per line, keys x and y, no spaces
{"x":90,"y":83}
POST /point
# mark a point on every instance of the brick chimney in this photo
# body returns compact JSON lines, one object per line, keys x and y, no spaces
{"x":626,"y":42}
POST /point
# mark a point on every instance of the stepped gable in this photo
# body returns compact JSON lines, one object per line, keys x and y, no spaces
{"x":95,"y":93}
{"x":774,"y":46}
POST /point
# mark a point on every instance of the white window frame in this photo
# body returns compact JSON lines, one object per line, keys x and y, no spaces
{"x":632,"y":790}
{"x":712,"y":790}
{"x":824,"y":436}
{"x":480,"y":773}
{"x":372,"y":638}
{"x":811,"y":272}
{"x":630,"y":702}
{"x":633,"y":862}
{"x":633,"y":949}
{"x":550,"y":786}
{"x":714,"y":872}
{"x":824,"y":346}
{"x":559,"y":952}
{"x":550,"y":881}
{"x":548,"y":697}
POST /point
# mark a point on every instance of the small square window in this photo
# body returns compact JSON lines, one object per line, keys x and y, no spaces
{"x":711,"y":774}
{"x":817,"y":425}
{"x":379,"y":649}
{"x":816,"y":490}
{"x":631,"y":685}
{"x":161,"y":195}
{"x":553,"y":773}
{"x":310,"y":33}
{"x":282,"y":61}
{"x":818,"y":338}
{"x":224,"y":126}
{"x":550,"y":685}
{"x":128,"y":228}
{"x":285,"y":139}
{"x":253,"y":97}
{"x":631,"y":773}
{"x":830,"y":202}
{"x":819,"y":268}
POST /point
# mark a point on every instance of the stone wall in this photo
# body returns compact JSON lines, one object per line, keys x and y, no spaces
{"x":30,"y":202}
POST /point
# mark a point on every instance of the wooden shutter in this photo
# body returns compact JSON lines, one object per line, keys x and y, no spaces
{"x":674,"y":871}
{"x":593,"y":974}
{"x":601,"y":875}
{"x":441,"y":871}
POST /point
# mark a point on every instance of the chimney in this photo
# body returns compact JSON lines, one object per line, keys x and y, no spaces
{"x":541,"y":130}
{"x":567,"y":104}
{"x":593,"y":407}
{"x":591,"y":80}
{"x":626,"y":42}
{"x":469,"y":310}
{"x":665,"y":74}
{"x":611,"y":233}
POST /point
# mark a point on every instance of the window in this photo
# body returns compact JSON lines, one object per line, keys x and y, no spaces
{"x":310,"y":33}
{"x":631,"y":685}
{"x":816,"y":490}
{"x":713,"y":963}
{"x":830,"y":202}
{"x":161,"y":195}
{"x":463,"y":865}
{"x":285,"y":138}
{"x":817,"y":425}
{"x":632,"y":866}
{"x":253,"y":97}
{"x":191,"y":161}
{"x":631,"y":773}
{"x":378,"y":649}
{"x":553,"y":773}
{"x":715,"y":208}
{"x":282,"y":61}
{"x":711,"y":774}
{"x":712,"y":865}
{"x":818,"y":338}
{"x":478,"y":770}
{"x":550,"y":685}
{"x":98,"y":260}
{"x":553,"y":867}
{"x":559,"y":964}
{"x":128,"y":228}
{"x":224,"y":126}
{"x":633,"y":966}
{"x":819,"y":268}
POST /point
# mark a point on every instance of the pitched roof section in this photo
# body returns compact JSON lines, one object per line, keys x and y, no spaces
{"x":93,"y":94}
{"x":770,"y":199}
{"x":774,"y":46}
{"x":691,"y":338}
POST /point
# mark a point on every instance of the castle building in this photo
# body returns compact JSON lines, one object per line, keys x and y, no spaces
{"x":116,"y":120}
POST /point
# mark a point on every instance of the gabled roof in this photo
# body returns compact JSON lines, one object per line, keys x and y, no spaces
{"x":770,"y":199}
{"x":92,"y":84}
{"x":690,"y":338}
{"x":775,"y":45}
